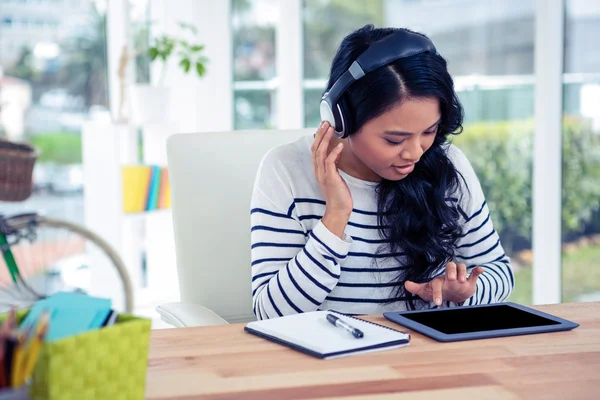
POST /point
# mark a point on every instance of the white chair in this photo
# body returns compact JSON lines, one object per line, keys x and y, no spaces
{"x":212,"y":176}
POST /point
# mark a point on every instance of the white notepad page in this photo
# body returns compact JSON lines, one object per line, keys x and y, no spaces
{"x":311,"y":330}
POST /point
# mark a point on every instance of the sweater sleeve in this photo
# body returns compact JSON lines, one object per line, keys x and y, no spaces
{"x":293,"y":270}
{"x":480,"y":244}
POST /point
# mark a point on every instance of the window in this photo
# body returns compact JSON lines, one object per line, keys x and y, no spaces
{"x":54,"y":87}
{"x":139,"y":19}
{"x":326,"y":22}
{"x":254,"y":72}
{"x":489,"y":47}
{"x":581,"y":153}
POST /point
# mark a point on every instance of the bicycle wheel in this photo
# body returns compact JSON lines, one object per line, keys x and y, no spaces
{"x":55,"y":255}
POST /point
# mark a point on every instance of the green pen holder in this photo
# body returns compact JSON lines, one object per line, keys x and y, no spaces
{"x":106,"y":363}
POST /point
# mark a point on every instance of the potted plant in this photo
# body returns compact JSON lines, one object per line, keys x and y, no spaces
{"x":150,"y":102}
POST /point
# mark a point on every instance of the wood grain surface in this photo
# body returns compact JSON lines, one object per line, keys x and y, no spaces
{"x":224,"y":362}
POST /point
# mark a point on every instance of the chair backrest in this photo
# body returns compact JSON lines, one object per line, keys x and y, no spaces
{"x":211,"y":177}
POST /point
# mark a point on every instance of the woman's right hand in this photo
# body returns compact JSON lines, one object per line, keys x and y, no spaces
{"x":338,"y":199}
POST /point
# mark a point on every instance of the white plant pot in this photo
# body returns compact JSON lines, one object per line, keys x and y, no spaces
{"x":149,"y":104}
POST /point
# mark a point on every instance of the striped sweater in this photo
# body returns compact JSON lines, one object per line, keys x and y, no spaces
{"x":298,"y":265}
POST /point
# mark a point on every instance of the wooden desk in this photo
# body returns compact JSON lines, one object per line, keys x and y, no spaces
{"x":224,"y":362}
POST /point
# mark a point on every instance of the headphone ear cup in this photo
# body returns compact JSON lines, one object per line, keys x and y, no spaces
{"x":338,"y":122}
{"x":345,"y":116}
{"x":327,"y":114}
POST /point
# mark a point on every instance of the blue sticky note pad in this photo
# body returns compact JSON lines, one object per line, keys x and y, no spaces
{"x":70,"y":314}
{"x":65,"y":322}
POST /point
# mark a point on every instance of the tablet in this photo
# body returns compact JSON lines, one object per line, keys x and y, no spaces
{"x":479,"y":322}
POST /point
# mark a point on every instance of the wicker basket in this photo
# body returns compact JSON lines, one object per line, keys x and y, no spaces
{"x":16,"y":170}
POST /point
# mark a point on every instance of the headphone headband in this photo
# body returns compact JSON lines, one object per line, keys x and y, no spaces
{"x":400,"y":44}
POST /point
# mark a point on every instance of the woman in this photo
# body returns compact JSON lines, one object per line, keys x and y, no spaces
{"x":391,"y":217}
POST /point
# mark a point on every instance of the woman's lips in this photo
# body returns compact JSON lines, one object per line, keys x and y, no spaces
{"x":405,"y":170}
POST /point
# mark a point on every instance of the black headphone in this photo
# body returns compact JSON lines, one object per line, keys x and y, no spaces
{"x":400,"y":44}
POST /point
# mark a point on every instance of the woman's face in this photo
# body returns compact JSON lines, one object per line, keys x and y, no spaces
{"x":390,"y":145}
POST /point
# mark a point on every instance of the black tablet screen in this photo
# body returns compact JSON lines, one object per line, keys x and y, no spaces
{"x":477,"y":319}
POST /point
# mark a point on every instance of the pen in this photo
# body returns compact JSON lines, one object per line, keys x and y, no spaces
{"x":342,"y":324}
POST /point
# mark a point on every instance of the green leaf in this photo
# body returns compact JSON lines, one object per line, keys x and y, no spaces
{"x":200,"y":69}
{"x":170,"y":45}
{"x":197,"y":48}
{"x":153,"y":53}
{"x":189,"y":27}
{"x":185,"y":64}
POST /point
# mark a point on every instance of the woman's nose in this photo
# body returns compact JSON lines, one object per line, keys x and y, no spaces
{"x":413,"y":151}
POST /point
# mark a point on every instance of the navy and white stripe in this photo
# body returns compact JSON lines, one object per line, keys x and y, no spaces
{"x":298,"y":265}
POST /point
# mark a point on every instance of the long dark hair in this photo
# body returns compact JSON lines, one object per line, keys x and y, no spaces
{"x":420,"y":216}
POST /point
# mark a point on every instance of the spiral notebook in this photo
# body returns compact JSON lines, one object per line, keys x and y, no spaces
{"x":312,"y":334}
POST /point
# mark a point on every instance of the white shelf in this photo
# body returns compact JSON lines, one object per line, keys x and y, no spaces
{"x":145,"y":215}
{"x":106,"y":148}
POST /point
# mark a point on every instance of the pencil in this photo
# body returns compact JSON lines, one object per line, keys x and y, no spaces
{"x":16,"y":366}
{"x":19,"y":354}
{"x":32,"y":356}
{"x":34,"y":348}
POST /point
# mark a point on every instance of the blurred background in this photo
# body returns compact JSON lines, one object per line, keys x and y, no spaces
{"x":266,"y":64}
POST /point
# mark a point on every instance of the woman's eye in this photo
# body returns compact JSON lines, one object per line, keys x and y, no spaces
{"x":431,"y":132}
{"x":394,"y":143}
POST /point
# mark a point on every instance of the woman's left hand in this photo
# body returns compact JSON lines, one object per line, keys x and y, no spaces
{"x":452,"y":286}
